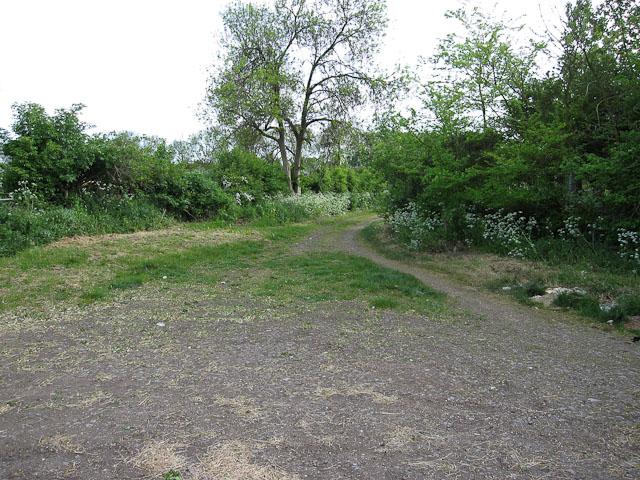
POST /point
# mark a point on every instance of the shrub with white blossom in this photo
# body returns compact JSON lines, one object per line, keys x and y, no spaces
{"x":510,"y":233}
{"x":293,"y":208}
{"x":413,"y":227}
{"x":629,"y":245}
{"x":317,"y":204}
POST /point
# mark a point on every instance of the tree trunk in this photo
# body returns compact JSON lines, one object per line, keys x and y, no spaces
{"x":285,"y":158}
{"x":297,"y":164}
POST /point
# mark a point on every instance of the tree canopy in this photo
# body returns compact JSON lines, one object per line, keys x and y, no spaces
{"x":294,"y":66}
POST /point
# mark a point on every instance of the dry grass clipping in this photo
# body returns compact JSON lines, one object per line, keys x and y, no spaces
{"x":241,"y":406}
{"x":55,"y":443}
{"x":399,"y":440}
{"x":233,"y":461}
{"x":159,"y":457}
{"x":376,"y":397}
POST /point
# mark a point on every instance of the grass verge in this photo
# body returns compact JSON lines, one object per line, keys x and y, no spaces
{"x":324,"y":276}
{"x":610,"y":296}
{"x":83,"y":270}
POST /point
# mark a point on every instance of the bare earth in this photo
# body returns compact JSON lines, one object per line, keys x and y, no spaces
{"x":237,"y":386}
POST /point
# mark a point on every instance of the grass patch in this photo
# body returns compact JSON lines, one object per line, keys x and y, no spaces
{"x":616,"y":313}
{"x":378,"y":236}
{"x":334,"y":276}
{"x":384,"y":302}
{"x":184,"y":266}
{"x":93,"y":268}
{"x":89,"y":269}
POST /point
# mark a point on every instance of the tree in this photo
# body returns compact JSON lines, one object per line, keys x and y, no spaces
{"x":293,"y":67}
{"x":482,"y":75}
{"x":601,"y":100}
{"x":51,"y":152}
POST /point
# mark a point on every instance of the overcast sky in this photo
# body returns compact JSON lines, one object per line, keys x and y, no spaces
{"x":141,"y":65}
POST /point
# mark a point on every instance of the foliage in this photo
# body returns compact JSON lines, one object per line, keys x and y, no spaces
{"x":292,"y":66}
{"x":22,"y":226}
{"x":342,"y":179}
{"x":503,"y":157}
{"x":241,"y":172}
{"x":589,"y":306}
{"x":52,"y":153}
{"x":481,"y":74}
{"x":192,"y":195}
{"x":294,"y":208}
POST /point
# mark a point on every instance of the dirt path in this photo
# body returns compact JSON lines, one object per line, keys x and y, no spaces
{"x":238,"y":385}
{"x":474,"y":300}
{"x":553,"y":353}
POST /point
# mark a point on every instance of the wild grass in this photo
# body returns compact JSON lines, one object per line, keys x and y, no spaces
{"x":23,"y":227}
{"x":89,"y":269}
{"x":618,"y":292}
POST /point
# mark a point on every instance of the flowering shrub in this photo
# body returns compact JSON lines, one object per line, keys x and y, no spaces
{"x":629,"y":245}
{"x":362,"y":200}
{"x":513,"y":234}
{"x":294,"y":208}
{"x":316,"y":204}
{"x":25,"y":195}
{"x":510,"y":233}
{"x":414,"y":228}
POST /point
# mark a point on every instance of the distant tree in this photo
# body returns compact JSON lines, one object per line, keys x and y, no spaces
{"x":198,"y":148}
{"x":481,"y":75}
{"x":295,"y":65}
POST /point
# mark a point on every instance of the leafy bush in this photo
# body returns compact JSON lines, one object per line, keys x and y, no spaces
{"x":515,"y":235}
{"x":294,"y":208}
{"x":339,"y":179}
{"x":22,"y":227}
{"x":193,"y":195}
{"x":51,"y":153}
{"x":590,"y":307}
{"x":417,"y":230}
{"x":242,"y":173}
{"x":630,"y":304}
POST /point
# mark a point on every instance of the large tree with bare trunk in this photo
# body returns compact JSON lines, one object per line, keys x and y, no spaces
{"x":295,"y":67}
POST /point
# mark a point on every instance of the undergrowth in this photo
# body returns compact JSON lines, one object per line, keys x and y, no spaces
{"x":611,"y":297}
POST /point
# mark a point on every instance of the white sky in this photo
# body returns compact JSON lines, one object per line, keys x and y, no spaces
{"x":141,"y":65}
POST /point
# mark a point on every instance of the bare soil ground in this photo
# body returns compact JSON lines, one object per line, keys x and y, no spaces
{"x":240,"y":386}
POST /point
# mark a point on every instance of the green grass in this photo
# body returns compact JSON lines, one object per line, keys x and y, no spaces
{"x":94,"y":269}
{"x":47,"y":258}
{"x":374,"y":236}
{"x":334,"y":276}
{"x":384,"y":302}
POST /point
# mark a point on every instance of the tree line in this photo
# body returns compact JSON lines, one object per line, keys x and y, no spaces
{"x":496,"y":134}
